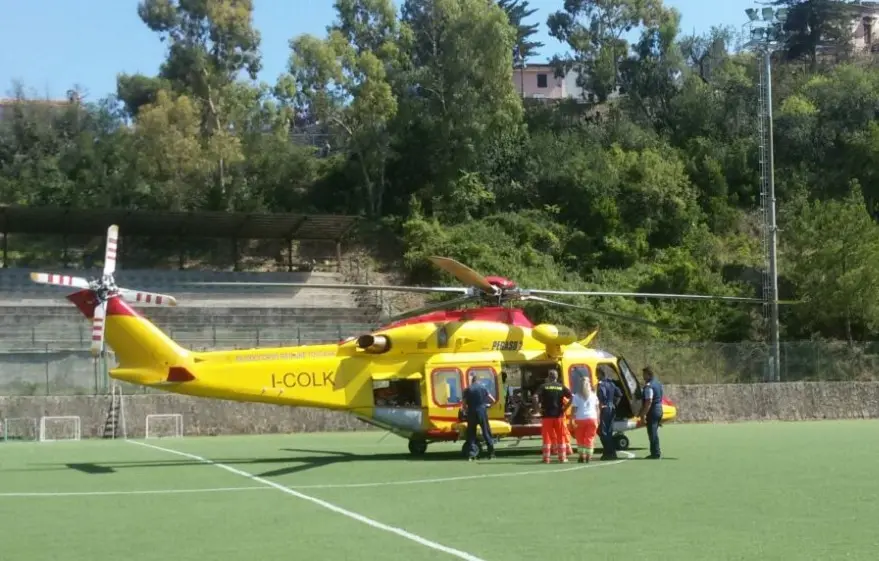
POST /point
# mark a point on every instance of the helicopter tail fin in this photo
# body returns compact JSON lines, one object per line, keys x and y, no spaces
{"x":588,"y":339}
{"x":136,"y":342}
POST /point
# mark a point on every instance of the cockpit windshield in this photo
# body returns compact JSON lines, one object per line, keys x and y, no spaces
{"x":629,"y":377}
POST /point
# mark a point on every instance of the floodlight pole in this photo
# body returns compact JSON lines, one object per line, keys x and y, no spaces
{"x":773,"y":228}
{"x":764,"y":48}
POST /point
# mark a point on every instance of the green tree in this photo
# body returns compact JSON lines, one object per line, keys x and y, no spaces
{"x":832,"y":254}
{"x":458,"y":98}
{"x":211,"y":42}
{"x":594,"y":30}
{"x":346,"y":80}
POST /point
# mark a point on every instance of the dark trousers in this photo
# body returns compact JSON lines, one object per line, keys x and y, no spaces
{"x":653,"y":418}
{"x":480,"y":419}
{"x":605,"y":431}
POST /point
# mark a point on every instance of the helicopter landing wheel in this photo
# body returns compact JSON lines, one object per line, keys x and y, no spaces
{"x":417,"y":447}
{"x":621,"y":441}
{"x":466,"y":452}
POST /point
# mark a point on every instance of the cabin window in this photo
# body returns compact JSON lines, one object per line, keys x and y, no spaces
{"x":542,"y":80}
{"x":576,"y":373}
{"x":447,"y":385}
{"x":485,"y":376}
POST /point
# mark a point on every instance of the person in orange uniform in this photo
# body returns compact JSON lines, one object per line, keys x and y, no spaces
{"x":555,"y":399}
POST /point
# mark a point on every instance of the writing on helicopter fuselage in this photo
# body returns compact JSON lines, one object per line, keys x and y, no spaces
{"x":303,"y":380}
{"x":506,"y":346}
{"x":286,"y":356}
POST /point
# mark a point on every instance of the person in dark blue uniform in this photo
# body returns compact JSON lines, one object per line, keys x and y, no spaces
{"x":477,"y":400}
{"x":609,"y":396}
{"x":651,"y":411}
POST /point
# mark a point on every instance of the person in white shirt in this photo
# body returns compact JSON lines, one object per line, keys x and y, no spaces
{"x":585,"y":410}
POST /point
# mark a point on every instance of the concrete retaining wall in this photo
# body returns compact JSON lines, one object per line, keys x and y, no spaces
{"x":697,"y":403}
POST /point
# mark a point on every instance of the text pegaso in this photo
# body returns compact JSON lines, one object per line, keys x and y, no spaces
{"x":303,"y":379}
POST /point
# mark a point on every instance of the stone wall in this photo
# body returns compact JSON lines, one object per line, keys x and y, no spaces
{"x":697,"y":403}
{"x":791,"y":401}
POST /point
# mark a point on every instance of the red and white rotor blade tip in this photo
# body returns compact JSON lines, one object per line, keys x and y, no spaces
{"x":110,"y":250}
{"x":59,"y":280}
{"x":98,"y":326}
{"x":151,"y":298}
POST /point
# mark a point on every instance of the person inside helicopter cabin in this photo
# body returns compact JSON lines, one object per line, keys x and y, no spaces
{"x":476,"y":401}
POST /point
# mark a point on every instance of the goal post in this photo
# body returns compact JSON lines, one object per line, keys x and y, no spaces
{"x":19,"y":428}
{"x":169,"y":425}
{"x":67,"y":427}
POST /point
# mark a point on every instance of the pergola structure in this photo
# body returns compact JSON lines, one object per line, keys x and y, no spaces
{"x":176,"y":225}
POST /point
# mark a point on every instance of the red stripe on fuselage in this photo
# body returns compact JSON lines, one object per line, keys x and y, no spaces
{"x":85,"y":301}
{"x":509,"y":316}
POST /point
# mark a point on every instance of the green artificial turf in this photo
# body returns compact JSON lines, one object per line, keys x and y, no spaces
{"x":739,"y":491}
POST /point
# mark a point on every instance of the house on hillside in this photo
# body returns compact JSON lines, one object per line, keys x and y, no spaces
{"x":538,"y":81}
{"x":865,"y":28}
{"x":8,"y":105}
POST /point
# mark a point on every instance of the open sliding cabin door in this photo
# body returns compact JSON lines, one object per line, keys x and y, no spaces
{"x":398,"y":401}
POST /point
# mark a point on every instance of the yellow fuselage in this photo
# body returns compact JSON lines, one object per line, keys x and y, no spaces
{"x":434,"y":357}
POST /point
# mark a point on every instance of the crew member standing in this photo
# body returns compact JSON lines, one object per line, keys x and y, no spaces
{"x":609,"y":396}
{"x":651,"y":410}
{"x":554,"y":401}
{"x":585,"y":407}
{"x":477,"y":400}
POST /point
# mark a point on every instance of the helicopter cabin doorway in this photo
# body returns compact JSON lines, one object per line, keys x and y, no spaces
{"x":397,"y":393}
{"x":628,"y":385}
{"x":521,"y":382}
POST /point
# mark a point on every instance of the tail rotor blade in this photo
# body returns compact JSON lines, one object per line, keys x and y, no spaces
{"x":111,"y":249}
{"x":150,"y":298}
{"x":59,"y":280}
{"x":98,"y":326}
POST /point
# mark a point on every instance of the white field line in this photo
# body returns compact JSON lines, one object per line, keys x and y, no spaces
{"x":144,"y":492}
{"x":329,"y":506}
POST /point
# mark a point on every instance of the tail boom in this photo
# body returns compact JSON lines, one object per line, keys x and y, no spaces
{"x":136,"y":342}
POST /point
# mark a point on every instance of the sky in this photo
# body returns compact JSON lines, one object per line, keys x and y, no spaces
{"x":53,"y":45}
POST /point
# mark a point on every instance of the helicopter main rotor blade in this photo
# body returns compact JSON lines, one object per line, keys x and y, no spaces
{"x":463,"y":273}
{"x":623,"y":317}
{"x":432,"y":308}
{"x":390,"y":288}
{"x":649,"y":295}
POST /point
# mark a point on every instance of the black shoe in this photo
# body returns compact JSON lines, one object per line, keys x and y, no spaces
{"x":654,"y":457}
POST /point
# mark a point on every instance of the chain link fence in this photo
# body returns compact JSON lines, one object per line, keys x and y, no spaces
{"x":31,"y":366}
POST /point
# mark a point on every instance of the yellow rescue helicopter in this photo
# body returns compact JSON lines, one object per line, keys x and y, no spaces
{"x":406,"y":377}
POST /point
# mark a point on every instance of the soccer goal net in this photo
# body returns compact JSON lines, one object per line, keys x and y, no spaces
{"x":164,"y":426}
{"x":60,"y":428}
{"x":19,"y":428}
